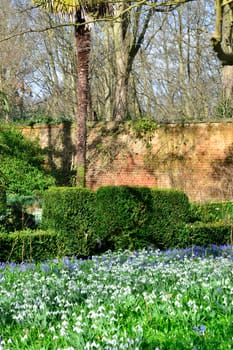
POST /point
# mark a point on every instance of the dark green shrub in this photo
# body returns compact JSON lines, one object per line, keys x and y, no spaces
{"x":212,"y":212}
{"x":210,"y":223}
{"x":29,"y":246}
{"x":70,"y":211}
{"x":171,"y":212}
{"x":123,"y":216}
{"x":19,"y":213}
{"x":205,"y":234}
{"x":23,"y":178}
{"x":21,"y":165}
{"x":17,"y":219}
{"x":2,"y":200}
{"x":136,"y":217}
{"x":14,"y":144}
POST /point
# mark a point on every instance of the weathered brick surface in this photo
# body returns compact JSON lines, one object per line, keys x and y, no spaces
{"x":197,"y":158}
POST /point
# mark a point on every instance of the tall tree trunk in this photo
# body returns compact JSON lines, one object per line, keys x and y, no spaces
{"x":83,"y":40}
{"x":227,"y":44}
{"x":227,"y":83}
{"x":182,"y":74}
{"x":223,"y":45}
{"x":121,"y":60}
{"x":127,"y":42}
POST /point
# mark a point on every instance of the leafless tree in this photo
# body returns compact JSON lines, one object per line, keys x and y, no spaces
{"x":222,"y":41}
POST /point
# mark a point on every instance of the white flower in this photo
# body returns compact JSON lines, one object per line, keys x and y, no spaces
{"x":93,"y":326}
{"x":62,"y":332}
{"x":24,"y":337}
{"x":77,"y":329}
{"x":177,"y":303}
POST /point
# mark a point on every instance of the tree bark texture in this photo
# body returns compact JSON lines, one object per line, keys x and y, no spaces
{"x":227,"y":82}
{"x":223,"y":44}
{"x":128,"y":39}
{"x":121,"y":59}
{"x":222,"y":39}
{"x":83,"y":40}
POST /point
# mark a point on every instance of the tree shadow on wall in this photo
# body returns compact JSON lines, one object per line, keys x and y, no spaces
{"x":223,"y":174}
{"x":104,"y":149}
{"x":61,"y":148}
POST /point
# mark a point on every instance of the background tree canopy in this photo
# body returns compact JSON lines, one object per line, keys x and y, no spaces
{"x":170,"y":69}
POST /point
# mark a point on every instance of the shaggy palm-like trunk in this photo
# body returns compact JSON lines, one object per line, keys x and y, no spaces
{"x":83,"y":40}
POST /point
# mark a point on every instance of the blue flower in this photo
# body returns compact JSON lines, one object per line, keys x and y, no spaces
{"x":200,"y":329}
{"x":45,"y":268}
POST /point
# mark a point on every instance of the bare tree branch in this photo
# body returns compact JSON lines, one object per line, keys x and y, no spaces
{"x":158,"y":7}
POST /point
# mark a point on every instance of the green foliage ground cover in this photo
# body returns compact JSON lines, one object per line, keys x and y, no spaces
{"x":178,"y":299}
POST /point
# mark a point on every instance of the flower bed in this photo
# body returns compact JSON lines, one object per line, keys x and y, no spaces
{"x":178,"y":299}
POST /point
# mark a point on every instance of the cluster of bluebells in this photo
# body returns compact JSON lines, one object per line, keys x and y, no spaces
{"x":110,"y":301}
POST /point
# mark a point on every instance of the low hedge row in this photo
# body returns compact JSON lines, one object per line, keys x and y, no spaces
{"x":39,"y":245}
{"x":30,"y":245}
{"x":114,"y":217}
{"x":205,"y":234}
{"x":81,"y":222}
{"x":212,"y":212}
{"x":3,"y":203}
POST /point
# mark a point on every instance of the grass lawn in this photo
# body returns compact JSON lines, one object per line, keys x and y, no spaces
{"x":152,"y":300}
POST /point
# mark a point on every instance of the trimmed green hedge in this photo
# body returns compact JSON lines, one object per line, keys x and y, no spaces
{"x":212,"y":212}
{"x":81,"y":222}
{"x":171,"y":212}
{"x":3,"y":204}
{"x":114,"y":217}
{"x":210,"y":223}
{"x":70,"y":211}
{"x":123,"y":214}
{"x":135,"y":217}
{"x":205,"y":234}
{"x":29,"y":245}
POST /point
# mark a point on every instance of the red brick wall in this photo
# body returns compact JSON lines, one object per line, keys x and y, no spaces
{"x":197,"y":158}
